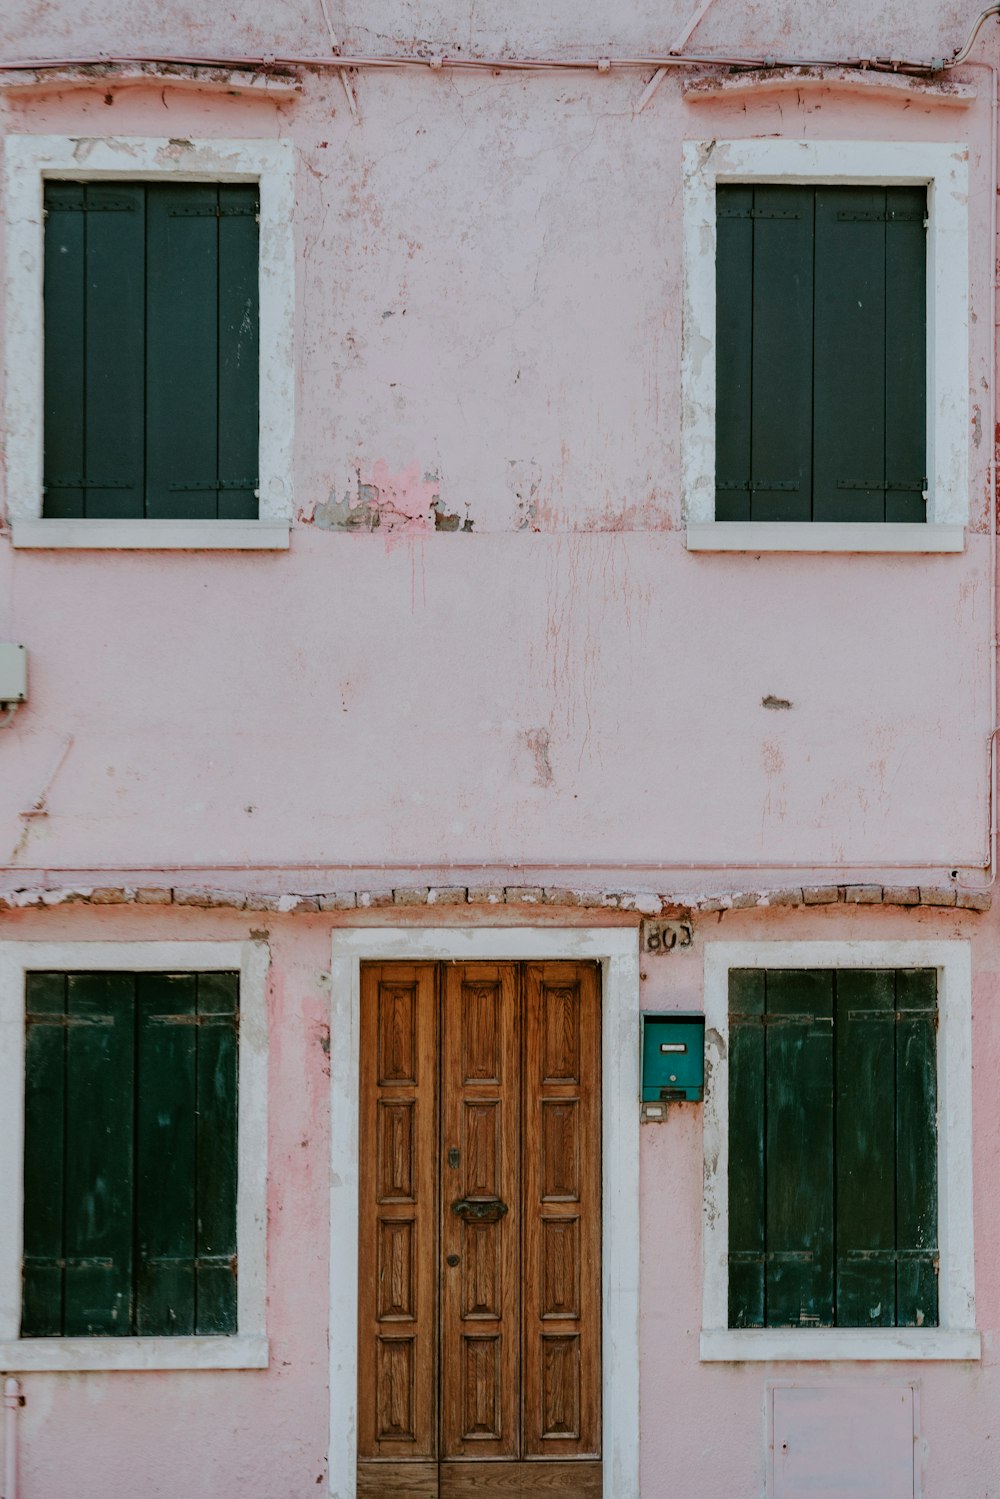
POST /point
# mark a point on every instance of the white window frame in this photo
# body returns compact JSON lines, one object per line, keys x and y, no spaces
{"x":29,"y":160}
{"x":943,"y":169}
{"x":617,"y":951}
{"x":245,"y":1349}
{"x":956,"y":1336}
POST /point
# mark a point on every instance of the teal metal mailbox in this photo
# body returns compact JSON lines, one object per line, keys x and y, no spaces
{"x":673,"y":1056}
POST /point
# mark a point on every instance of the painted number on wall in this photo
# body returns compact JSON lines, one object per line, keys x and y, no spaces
{"x":664,"y":936}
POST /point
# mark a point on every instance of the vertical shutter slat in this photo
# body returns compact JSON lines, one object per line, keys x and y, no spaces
{"x":905,"y":353}
{"x":238,"y":350}
{"x":99,"y":1137}
{"x":165,"y":1198}
{"x":849,"y":355}
{"x":916,"y":1148}
{"x":215,"y":1274}
{"x":865,"y":1023}
{"x":65,"y":249}
{"x":799,"y":1143}
{"x":782,"y":353}
{"x":182,"y":270}
{"x":44,"y":1123}
{"x":747,"y":1244}
{"x":734,"y":347}
{"x":115,"y":337}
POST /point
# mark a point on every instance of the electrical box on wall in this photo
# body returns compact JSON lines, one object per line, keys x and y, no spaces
{"x":13,"y":675}
{"x":673,"y":1056}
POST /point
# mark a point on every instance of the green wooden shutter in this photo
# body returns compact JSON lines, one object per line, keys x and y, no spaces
{"x":916,"y":1149}
{"x":886,"y":1149}
{"x":65,"y":323}
{"x":906,"y":354}
{"x":130,"y":1154}
{"x":733,"y":352}
{"x":165,"y":1199}
{"x":201,"y":378}
{"x":782,"y":353}
{"x":821,"y":338}
{"x":866,"y":1149}
{"x":849,"y":355}
{"x":747,"y":1194}
{"x":151,"y":350}
{"x":781,"y":1149}
{"x":833,"y":1106}
{"x":44,"y":1155}
{"x":94,"y":349}
{"x":764,"y":281}
{"x":186,"y":1217}
{"x":215,"y":1273}
{"x":78,"y":1157}
{"x":799,"y":1148}
{"x":238,"y":352}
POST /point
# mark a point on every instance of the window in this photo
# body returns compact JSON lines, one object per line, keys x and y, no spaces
{"x":130,"y":1154}
{"x":820,"y":339}
{"x":133,"y":1155}
{"x":810,"y":422}
{"x":151,"y":361}
{"x":832,"y":1148}
{"x":149,"y":392}
{"x":838,"y":1133}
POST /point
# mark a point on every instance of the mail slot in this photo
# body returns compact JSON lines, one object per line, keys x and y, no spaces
{"x":673,"y":1056}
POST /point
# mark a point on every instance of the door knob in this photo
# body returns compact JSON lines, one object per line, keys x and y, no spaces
{"x":479,"y":1210}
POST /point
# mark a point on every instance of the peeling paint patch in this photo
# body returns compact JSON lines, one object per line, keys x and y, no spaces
{"x":388,"y":502}
{"x":445,"y":522}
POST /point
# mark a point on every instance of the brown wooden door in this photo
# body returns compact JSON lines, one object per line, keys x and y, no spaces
{"x":479,"y":1297}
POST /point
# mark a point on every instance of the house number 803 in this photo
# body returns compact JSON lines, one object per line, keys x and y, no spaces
{"x":664,"y":936}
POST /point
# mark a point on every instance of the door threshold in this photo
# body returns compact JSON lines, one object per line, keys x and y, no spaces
{"x":580,"y":1478}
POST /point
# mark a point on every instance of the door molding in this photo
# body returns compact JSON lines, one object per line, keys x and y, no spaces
{"x":617,"y":951}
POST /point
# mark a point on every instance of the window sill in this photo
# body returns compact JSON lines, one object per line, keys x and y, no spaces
{"x":829,"y":1344}
{"x":248,"y":1351}
{"x":822,"y":536}
{"x":152,"y":535}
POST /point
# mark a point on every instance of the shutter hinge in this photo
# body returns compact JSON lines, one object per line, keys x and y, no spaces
{"x":753,"y":485}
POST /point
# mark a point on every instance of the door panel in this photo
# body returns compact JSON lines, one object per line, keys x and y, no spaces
{"x":562,"y":1212}
{"x":480,"y":1175}
{"x":397,"y":1384}
{"x":480,"y":1121}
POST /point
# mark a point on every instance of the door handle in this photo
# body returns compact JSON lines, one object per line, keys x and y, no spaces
{"x":479,"y":1210}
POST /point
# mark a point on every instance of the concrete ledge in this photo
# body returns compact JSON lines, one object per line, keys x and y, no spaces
{"x":58,"y":77}
{"x":822,"y":536}
{"x":152,"y":535}
{"x":247,"y":1351}
{"x":822,"y":1344}
{"x":903,"y":86}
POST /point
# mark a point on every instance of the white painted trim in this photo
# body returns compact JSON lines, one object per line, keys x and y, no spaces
{"x":75,"y":1355}
{"x":152,"y":535}
{"x":944,"y":169}
{"x":617,"y":950}
{"x":819,"y":536}
{"x":836,"y":1344}
{"x":29,"y":159}
{"x":956,"y":1337}
{"x":248,"y":1348}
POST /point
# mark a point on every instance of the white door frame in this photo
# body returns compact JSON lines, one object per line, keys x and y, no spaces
{"x":617,"y":951}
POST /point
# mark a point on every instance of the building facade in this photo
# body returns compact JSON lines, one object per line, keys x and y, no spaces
{"x":499,"y":512}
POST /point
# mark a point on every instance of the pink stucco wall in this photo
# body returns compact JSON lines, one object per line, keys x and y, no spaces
{"x":489,"y":291}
